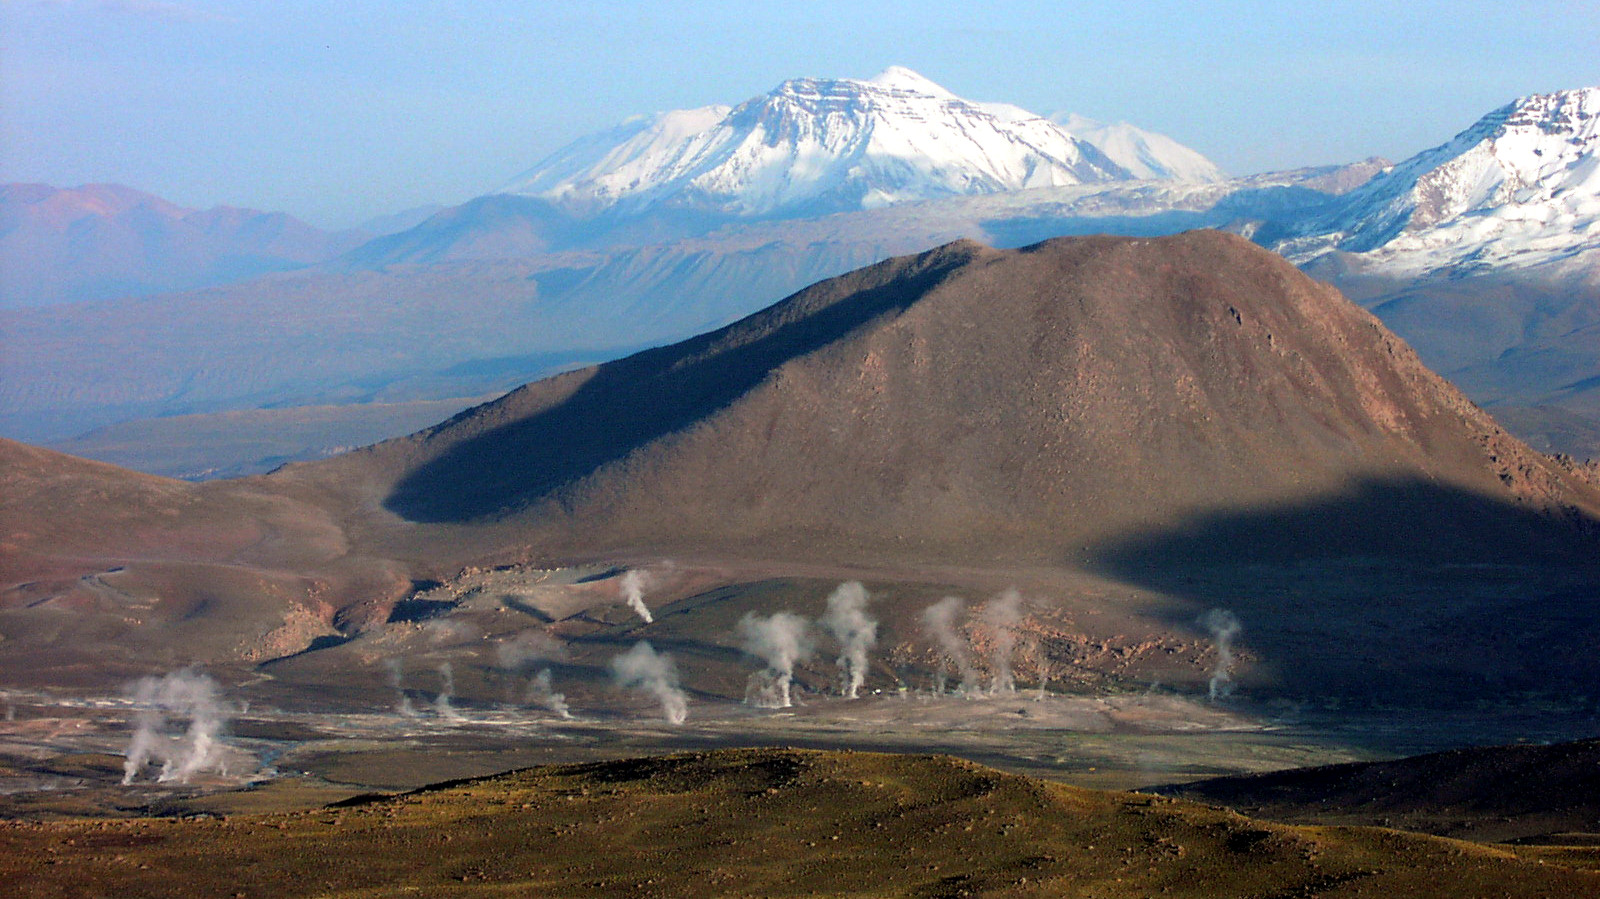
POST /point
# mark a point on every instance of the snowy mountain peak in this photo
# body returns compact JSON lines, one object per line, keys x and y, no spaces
{"x":901,"y":78}
{"x":818,"y":145}
{"x":1520,"y":186}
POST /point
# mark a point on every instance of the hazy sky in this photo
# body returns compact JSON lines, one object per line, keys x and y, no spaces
{"x":338,"y":111}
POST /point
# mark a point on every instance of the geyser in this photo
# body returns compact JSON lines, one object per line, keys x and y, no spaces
{"x":633,"y":586}
{"x":181,"y":693}
{"x":1223,"y":626}
{"x":1002,"y":615}
{"x":847,"y":620}
{"x":642,"y":668}
{"x":939,"y":620}
{"x":781,"y":640}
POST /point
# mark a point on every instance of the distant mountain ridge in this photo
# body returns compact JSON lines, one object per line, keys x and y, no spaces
{"x":818,"y":145}
{"x":1484,"y":253}
{"x":103,"y":241}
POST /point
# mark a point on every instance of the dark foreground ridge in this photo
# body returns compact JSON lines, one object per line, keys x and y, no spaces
{"x":768,"y":822}
{"x":1534,"y":794}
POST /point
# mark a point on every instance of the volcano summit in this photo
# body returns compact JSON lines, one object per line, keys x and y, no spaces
{"x":819,"y":145}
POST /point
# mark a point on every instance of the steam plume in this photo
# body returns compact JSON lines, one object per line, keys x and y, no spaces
{"x":1035,"y":649}
{"x":781,"y":640}
{"x":182,"y":693}
{"x":524,"y":650}
{"x":1224,"y":626}
{"x":441,"y":703}
{"x":540,"y":693}
{"x":1002,"y":614}
{"x":397,"y":674}
{"x":527,"y":647}
{"x":848,"y":622}
{"x":633,"y":584}
{"x":640,"y":668}
{"x":939,"y":620}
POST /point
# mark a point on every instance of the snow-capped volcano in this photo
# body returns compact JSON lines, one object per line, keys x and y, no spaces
{"x":818,"y":145}
{"x":1522,"y":186}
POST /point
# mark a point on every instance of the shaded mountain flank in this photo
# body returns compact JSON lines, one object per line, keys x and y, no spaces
{"x":1068,"y":401}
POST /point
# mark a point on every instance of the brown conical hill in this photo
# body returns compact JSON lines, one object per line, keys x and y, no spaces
{"x":971,"y":404}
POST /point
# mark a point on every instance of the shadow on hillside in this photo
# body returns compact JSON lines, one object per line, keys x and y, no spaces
{"x":628,"y":403}
{"x":1391,"y":594}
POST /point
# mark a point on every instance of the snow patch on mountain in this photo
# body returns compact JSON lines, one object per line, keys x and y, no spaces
{"x":817,"y":145}
{"x":636,"y":158}
{"x":1520,"y":187}
{"x":1144,"y":153}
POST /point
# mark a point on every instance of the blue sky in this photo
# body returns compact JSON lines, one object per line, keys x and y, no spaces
{"x":338,"y":111}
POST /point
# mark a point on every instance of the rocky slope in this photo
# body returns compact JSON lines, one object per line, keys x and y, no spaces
{"x":970,"y":401}
{"x":105,"y":572}
{"x":962,"y":416}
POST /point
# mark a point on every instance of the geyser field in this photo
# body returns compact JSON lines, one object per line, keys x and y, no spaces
{"x":514,"y":666}
{"x":518,"y":667}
